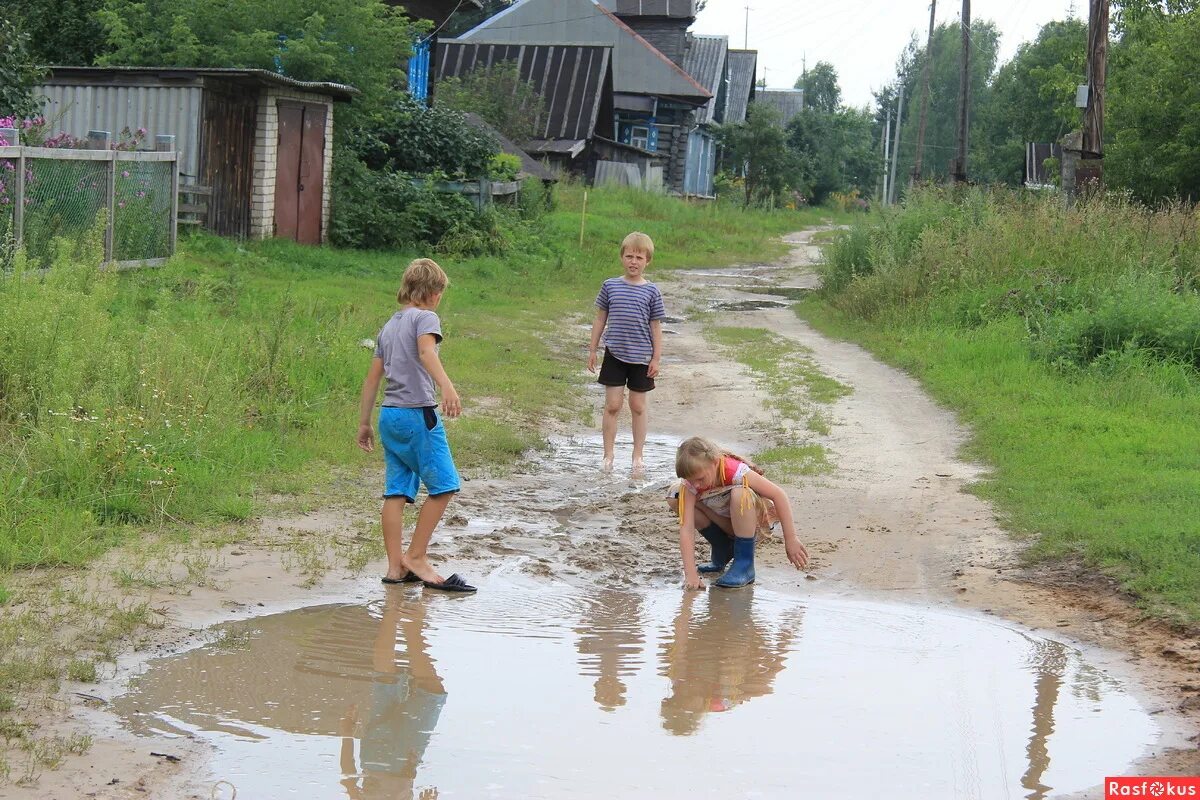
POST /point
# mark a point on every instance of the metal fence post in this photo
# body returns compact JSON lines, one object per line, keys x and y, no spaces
{"x":99,"y":140}
{"x":165,"y":142}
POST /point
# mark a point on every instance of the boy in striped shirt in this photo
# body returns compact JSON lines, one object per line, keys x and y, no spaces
{"x":629,"y":312}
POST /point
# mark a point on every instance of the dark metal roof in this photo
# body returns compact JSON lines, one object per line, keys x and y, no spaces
{"x":176,"y":75}
{"x":571,"y":78}
{"x":676,"y":9}
{"x":789,"y":102}
{"x":740,"y":90}
{"x":638,"y":67}
{"x":529,"y":165}
{"x":705,"y":61}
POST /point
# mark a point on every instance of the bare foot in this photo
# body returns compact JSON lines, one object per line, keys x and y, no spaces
{"x":423,"y":569}
{"x":639,"y":467}
{"x":606,"y":464}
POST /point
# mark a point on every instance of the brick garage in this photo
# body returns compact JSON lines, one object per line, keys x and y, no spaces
{"x":262,"y":142}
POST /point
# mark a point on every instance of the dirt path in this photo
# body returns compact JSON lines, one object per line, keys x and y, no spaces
{"x":892,"y":522}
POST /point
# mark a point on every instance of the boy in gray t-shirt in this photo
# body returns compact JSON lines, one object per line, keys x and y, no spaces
{"x":414,"y":440}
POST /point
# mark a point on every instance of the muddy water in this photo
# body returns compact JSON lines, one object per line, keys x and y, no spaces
{"x":529,"y":691}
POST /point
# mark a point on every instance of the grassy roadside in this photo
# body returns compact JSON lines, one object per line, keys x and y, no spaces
{"x":161,"y":411}
{"x":797,"y":389}
{"x":1068,"y":341}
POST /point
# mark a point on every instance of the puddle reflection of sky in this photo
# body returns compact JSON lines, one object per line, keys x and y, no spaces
{"x":551,"y":692}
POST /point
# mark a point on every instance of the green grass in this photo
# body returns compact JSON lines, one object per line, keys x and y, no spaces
{"x":163,"y":409}
{"x":1048,"y":332}
{"x":796,"y":389}
{"x":178,"y":396}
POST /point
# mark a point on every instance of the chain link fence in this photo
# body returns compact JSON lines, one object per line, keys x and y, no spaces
{"x":54,"y":198}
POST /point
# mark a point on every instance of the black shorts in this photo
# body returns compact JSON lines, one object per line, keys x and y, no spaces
{"x":615,"y":372}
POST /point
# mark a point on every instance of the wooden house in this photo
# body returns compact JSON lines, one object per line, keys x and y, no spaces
{"x":654,"y":100}
{"x":261,"y":142}
{"x":706,"y":60}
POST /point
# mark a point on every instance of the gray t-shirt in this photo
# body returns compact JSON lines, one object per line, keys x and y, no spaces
{"x":409,"y":385}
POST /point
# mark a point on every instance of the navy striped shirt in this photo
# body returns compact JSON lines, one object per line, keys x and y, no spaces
{"x":630,"y":309}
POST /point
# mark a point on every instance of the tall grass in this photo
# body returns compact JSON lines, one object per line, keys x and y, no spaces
{"x":1070,"y":340}
{"x":177,"y":396}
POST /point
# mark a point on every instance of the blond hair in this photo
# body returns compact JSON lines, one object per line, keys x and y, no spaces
{"x":696,"y":455}
{"x":423,"y":278}
{"x":638,"y":241}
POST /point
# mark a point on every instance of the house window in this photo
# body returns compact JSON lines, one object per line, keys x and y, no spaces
{"x":641,"y":133}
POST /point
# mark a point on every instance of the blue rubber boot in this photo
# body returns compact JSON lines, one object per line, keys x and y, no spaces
{"x":742,"y":571}
{"x":722,"y":548}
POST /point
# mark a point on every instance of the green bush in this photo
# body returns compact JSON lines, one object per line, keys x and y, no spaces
{"x":504,"y":167}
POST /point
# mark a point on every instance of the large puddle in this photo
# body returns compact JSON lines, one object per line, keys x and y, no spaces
{"x":529,"y":690}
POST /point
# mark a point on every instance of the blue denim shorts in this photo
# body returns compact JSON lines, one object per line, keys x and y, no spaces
{"x":415,"y":453}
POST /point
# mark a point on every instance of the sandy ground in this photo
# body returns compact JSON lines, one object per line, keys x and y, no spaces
{"x":892,"y":523}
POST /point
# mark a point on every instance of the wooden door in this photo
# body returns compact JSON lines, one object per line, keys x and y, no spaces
{"x":300,"y":173}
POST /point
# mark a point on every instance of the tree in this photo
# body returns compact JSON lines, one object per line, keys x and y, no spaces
{"x":837,"y":152}
{"x":760,"y":145}
{"x":18,"y":72}
{"x":499,"y":95}
{"x":1154,"y":102}
{"x":62,"y":32}
{"x":942,"y":126}
{"x":1032,"y":99}
{"x":821,"y":90}
{"x":363,"y":43}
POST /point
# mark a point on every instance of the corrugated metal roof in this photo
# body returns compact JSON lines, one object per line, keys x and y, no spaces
{"x":705,"y":61}
{"x":175,"y":75}
{"x":570,"y":78}
{"x":789,"y":102}
{"x":638,"y":67}
{"x":740,"y":89}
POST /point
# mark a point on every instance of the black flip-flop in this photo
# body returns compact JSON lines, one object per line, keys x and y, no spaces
{"x":454,"y":583}
{"x":409,"y":577}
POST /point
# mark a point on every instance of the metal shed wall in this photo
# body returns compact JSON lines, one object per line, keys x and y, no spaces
{"x":171,"y":110}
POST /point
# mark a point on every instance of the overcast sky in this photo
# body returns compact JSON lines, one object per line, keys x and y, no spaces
{"x":861,"y":38}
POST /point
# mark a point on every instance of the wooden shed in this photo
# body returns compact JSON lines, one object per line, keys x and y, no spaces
{"x":262,"y":142}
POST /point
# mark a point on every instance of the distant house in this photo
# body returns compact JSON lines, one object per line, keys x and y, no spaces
{"x":654,"y":99}
{"x":574,"y":81}
{"x":788,"y":102}
{"x":263,"y":142}
{"x":706,"y":60}
{"x":739,"y":91}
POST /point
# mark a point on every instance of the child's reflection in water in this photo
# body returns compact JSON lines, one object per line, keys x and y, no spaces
{"x":721,"y":657}
{"x":406,"y":700}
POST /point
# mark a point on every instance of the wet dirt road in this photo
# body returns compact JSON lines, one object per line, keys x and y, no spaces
{"x":582,"y":670}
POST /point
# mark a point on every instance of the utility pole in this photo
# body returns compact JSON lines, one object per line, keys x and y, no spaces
{"x":1093,"y":115}
{"x":887,"y":141}
{"x":896,"y":146}
{"x":803,"y":78}
{"x":916,"y":173}
{"x":964,"y":91}
{"x":746,"y":37}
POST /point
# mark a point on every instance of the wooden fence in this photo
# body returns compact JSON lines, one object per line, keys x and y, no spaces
{"x":50,"y":194}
